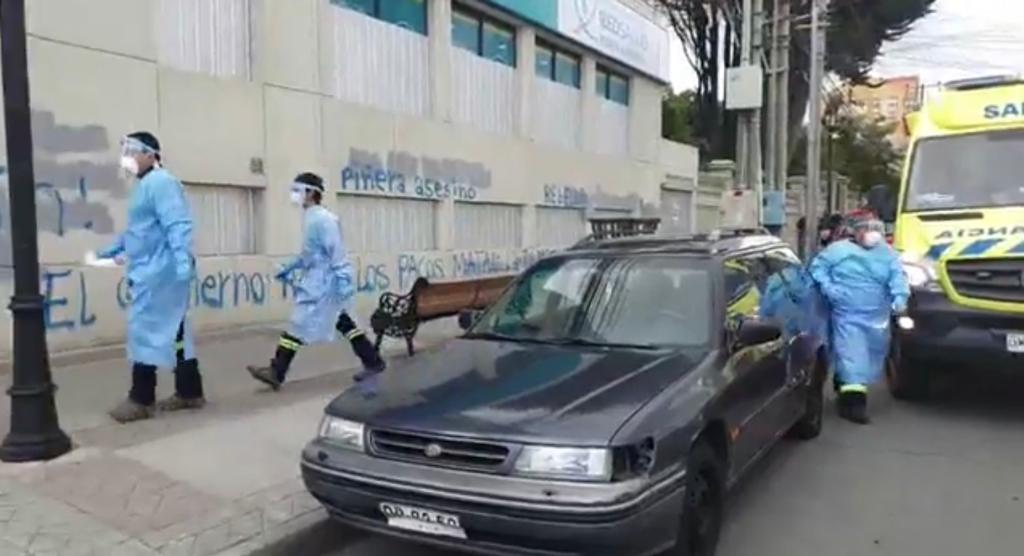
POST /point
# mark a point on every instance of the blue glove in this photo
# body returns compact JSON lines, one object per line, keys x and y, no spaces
{"x":899,"y":308}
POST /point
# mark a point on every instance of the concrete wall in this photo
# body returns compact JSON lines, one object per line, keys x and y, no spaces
{"x":94,"y":77}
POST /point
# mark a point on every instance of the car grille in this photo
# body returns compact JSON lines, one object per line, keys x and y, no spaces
{"x":988,"y":279}
{"x":432,"y":450}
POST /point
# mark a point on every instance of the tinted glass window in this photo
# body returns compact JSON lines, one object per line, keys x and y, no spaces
{"x":545,"y":63}
{"x":567,"y":69}
{"x":499,"y":43}
{"x":618,"y":89}
{"x":409,"y":14}
{"x":365,"y":6}
{"x":602,"y":83}
{"x":466,"y":32}
{"x":644,"y":302}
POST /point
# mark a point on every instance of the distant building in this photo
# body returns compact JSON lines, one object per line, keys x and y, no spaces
{"x":890,"y":100}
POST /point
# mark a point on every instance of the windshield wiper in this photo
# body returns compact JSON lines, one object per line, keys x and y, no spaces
{"x":496,"y":336}
{"x":593,"y":343}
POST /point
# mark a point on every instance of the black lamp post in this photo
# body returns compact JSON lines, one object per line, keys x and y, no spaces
{"x":35,"y":433}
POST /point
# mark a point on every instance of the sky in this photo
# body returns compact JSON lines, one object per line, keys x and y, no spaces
{"x":961,"y":38}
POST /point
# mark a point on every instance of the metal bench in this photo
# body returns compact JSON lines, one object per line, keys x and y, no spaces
{"x":399,"y":316}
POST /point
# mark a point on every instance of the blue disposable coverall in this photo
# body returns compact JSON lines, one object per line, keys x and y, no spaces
{"x":792,"y":298}
{"x":157,"y":243}
{"x":326,"y":286}
{"x":862,"y":286}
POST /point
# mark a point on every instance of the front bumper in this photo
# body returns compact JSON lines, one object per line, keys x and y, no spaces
{"x":952,"y":333}
{"x":500,"y":514}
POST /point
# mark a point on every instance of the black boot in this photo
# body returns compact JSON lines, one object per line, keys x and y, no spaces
{"x":853,"y":406}
{"x":274,"y":374}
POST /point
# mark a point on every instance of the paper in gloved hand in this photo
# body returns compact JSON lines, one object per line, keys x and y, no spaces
{"x":92,"y":260}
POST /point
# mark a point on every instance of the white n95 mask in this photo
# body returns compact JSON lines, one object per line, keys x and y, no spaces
{"x":130,"y":165}
{"x":872,"y":238}
{"x":296,"y":198}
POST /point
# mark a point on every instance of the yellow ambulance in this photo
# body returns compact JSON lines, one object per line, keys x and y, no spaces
{"x":960,"y":231}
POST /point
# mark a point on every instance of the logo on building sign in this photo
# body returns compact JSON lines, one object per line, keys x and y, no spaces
{"x":586,"y":10}
{"x":616,"y":31}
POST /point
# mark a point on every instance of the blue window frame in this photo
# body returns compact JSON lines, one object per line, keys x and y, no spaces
{"x":612,"y":86}
{"x":484,"y":36}
{"x":557,"y":65}
{"x":408,"y":14}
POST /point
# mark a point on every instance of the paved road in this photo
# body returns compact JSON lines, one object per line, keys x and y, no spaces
{"x":944,"y":478}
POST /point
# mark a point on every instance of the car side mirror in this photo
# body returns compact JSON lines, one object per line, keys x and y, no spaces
{"x":753,"y":332}
{"x":467,"y":317}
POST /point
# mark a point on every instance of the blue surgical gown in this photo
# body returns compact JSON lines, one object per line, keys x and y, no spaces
{"x":157,"y":243}
{"x":861,"y":285}
{"x":326,"y":285}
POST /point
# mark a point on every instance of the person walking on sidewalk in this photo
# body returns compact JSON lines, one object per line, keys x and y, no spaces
{"x":863,"y":280}
{"x":156,"y":247}
{"x":323,"y":294}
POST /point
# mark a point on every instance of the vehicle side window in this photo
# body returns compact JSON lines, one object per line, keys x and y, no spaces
{"x":745,"y":279}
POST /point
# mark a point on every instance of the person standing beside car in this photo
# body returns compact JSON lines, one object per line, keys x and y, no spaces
{"x":864,"y":283}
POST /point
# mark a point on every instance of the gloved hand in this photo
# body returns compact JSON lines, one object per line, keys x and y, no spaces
{"x":120,"y":259}
{"x":899,"y":308}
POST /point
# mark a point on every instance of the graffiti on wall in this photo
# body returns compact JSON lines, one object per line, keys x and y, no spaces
{"x":76,"y":176}
{"x":403,"y":174}
{"x":69,"y":308}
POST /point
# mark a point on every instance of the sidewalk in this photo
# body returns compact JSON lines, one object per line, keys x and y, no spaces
{"x":223,"y":480}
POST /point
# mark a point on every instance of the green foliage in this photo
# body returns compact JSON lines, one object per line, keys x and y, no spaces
{"x":863,"y":153}
{"x":859,"y":28}
{"x":679,"y":117}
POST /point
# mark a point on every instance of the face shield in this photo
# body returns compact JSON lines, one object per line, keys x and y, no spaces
{"x":130,"y":149}
{"x":870,"y":232}
{"x":297,"y":193}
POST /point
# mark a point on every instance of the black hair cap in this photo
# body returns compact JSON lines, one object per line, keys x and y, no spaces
{"x":310,"y":179}
{"x":146,"y":138}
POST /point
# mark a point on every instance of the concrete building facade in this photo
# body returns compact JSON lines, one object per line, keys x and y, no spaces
{"x":459,"y":138}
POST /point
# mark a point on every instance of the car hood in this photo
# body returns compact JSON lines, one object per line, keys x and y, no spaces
{"x":515,"y":391}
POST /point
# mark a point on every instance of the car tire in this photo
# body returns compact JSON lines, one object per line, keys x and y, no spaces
{"x":810,"y":424}
{"x":703,"y":504}
{"x":906,"y":377}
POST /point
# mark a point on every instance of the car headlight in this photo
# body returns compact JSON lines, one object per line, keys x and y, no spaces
{"x":586,"y":464}
{"x":343,"y":433}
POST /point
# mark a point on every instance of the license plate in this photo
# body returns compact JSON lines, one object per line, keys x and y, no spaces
{"x":1015,"y":343}
{"x":422,"y":521}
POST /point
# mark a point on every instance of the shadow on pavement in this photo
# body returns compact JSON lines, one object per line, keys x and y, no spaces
{"x":979,"y":393}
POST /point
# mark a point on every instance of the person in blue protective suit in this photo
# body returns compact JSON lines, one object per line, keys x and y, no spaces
{"x":863,"y":281}
{"x":323,"y":293}
{"x":156,"y":247}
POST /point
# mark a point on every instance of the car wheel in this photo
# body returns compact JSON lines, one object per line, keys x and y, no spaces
{"x":703,"y":504}
{"x":907,"y":378}
{"x":810,"y":423}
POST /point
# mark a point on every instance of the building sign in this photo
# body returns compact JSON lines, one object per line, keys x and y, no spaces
{"x":607,"y":26}
{"x":618,"y":32}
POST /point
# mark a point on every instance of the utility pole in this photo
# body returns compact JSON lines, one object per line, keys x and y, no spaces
{"x":35,"y":433}
{"x":743,"y":122}
{"x":748,"y":133}
{"x":813,"y":188}
{"x":781,"y":177}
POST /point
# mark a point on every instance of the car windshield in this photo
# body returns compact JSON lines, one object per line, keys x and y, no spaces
{"x":641,"y":302}
{"x":967,"y":171}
